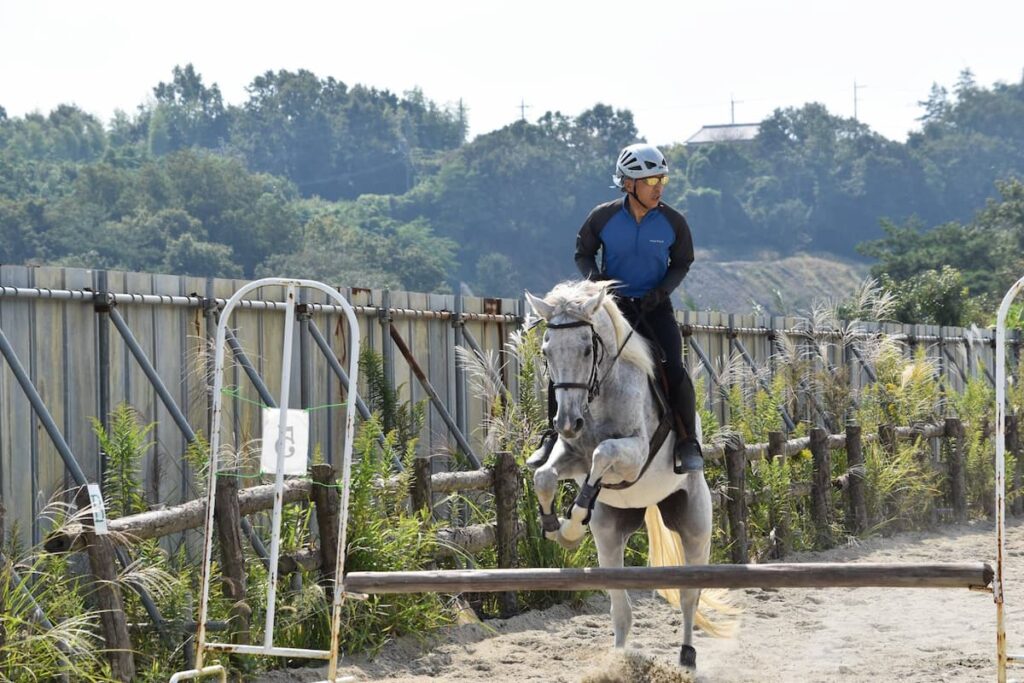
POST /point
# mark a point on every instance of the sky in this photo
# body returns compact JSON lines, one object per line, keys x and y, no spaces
{"x":677,"y":65}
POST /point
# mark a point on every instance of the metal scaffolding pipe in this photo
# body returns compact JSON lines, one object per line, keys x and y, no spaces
{"x":435,"y":399}
{"x":196,"y":301}
{"x":790,"y":425}
{"x":250,"y":370}
{"x":70,"y":462}
{"x":172,"y":407}
{"x":339,"y":372}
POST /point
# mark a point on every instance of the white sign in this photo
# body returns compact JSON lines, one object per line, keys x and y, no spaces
{"x":295,"y":443}
{"x":99,"y":511}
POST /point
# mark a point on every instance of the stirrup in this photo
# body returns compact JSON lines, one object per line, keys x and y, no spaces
{"x":687,"y":457}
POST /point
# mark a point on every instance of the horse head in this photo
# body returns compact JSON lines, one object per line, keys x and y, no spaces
{"x":578,"y":328}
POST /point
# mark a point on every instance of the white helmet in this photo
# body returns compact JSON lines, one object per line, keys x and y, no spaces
{"x":639,"y":161}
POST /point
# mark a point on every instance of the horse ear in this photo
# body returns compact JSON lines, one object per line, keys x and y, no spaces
{"x":540,"y":307}
{"x":591,"y":305}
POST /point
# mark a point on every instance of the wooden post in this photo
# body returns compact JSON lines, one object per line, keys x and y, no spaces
{"x":736,"y":504}
{"x":422,"y":490}
{"x":109,"y":602}
{"x":506,"y":498}
{"x":781,"y":524}
{"x":228,"y":519}
{"x":821,"y":486}
{"x":887,"y":438}
{"x":324,"y":494}
{"x":1013,"y":446}
{"x":856,"y":503}
{"x":957,"y":468}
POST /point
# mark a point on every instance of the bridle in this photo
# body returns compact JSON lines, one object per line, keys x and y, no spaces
{"x":593,"y":384}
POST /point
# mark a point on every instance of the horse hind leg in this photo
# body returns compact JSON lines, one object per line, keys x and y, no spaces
{"x":696,"y":550}
{"x":611,"y":528}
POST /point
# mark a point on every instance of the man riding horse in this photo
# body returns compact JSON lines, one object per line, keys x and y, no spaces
{"x":646,"y":247}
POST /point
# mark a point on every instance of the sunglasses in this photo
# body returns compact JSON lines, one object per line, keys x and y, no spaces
{"x":654,"y":181}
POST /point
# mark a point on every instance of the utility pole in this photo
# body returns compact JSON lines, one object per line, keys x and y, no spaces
{"x":732,"y":107}
{"x":523,"y":106}
{"x":855,"y":89}
{"x":463,"y":119}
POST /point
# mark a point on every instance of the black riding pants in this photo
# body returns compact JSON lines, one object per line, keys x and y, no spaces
{"x":659,"y":327}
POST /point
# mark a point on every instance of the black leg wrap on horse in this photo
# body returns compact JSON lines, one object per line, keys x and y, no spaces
{"x":549,"y":521}
{"x":586,"y":499}
{"x":688,"y":657}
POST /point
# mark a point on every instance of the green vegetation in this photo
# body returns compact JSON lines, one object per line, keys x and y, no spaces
{"x":310,"y":176}
{"x":903,"y":492}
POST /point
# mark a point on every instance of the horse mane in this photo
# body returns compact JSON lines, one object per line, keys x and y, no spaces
{"x":568,"y":299}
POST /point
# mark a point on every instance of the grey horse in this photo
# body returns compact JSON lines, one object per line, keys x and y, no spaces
{"x":606,"y":415}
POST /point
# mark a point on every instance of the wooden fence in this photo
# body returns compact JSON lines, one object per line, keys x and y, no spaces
{"x":66,"y":327}
{"x":504,"y":481}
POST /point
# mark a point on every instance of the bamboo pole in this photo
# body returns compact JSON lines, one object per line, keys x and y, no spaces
{"x":781,"y":525}
{"x":972,"y":575}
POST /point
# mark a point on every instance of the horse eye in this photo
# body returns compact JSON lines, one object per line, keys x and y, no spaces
{"x":586,"y":350}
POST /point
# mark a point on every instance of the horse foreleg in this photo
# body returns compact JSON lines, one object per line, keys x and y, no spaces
{"x":558,"y":466}
{"x":624,"y":457}
{"x":611,"y":528}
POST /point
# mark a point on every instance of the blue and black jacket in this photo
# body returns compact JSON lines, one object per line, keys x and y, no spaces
{"x":654,"y":253}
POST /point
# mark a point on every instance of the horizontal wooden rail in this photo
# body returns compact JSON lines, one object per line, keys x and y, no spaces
{"x":192,"y":515}
{"x":976,"y":575}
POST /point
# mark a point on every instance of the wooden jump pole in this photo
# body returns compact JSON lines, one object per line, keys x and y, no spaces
{"x":975,"y":575}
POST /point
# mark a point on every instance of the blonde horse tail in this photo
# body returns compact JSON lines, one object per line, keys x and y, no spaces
{"x":665,"y":549}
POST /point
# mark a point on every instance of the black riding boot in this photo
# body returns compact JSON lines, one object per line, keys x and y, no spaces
{"x":687,"y":455}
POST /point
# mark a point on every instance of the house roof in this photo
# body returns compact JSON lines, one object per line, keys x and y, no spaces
{"x":726,"y":132}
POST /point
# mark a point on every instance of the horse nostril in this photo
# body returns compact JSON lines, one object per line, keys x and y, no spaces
{"x":578,"y":425}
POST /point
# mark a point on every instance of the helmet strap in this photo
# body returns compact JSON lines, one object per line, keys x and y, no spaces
{"x":634,"y":195}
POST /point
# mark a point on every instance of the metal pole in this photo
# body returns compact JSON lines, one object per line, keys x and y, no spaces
{"x":459,"y":325}
{"x":335,"y":366}
{"x":173,"y":409}
{"x":387,"y":351}
{"x":471,"y":340}
{"x":70,"y":462}
{"x":790,"y":425}
{"x":435,"y":399}
{"x":41,"y":411}
{"x":282,"y":425}
{"x":1000,"y":479}
{"x":254,"y":376}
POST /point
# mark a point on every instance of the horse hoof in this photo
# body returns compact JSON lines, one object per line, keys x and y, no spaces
{"x":688,"y":657}
{"x":567,"y":544}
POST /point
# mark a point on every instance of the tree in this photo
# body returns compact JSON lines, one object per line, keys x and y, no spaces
{"x":933,"y":297}
{"x":187,"y":114}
